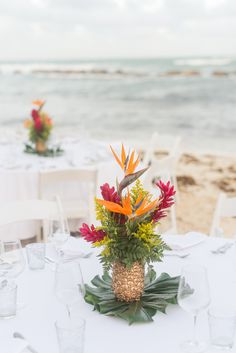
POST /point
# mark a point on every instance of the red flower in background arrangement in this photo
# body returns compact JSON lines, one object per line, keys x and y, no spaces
{"x":35,"y":114}
{"x":109,"y":193}
{"x":166,"y":200}
{"x":91,"y":234}
{"x":38,"y":124}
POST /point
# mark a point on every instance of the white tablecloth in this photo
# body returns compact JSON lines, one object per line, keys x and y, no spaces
{"x":107,"y":334}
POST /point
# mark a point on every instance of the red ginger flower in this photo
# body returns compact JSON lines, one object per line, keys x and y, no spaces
{"x":35,"y":114}
{"x":38,"y":124}
{"x":109,"y":193}
{"x":91,"y":234}
{"x":166,"y":200}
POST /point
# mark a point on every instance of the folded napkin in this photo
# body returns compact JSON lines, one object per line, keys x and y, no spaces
{"x":76,"y":247}
{"x":185,"y":241}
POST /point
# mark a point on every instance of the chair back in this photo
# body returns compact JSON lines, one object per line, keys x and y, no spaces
{"x":162,"y":142}
{"x":225,"y":207}
{"x":28,"y":210}
{"x":76,"y":189}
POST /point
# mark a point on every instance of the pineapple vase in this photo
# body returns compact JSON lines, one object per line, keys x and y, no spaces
{"x":128,"y":283}
{"x":40,"y":146}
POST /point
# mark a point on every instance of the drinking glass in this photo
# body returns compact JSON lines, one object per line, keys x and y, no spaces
{"x":12,"y":261}
{"x":222,"y":326}
{"x":59,"y":233}
{"x":8,"y":292}
{"x":69,"y":285}
{"x":36,"y":255}
{"x":194,"y":297}
{"x":70,"y":335}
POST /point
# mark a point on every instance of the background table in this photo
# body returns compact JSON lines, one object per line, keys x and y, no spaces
{"x":19,"y":173}
{"x":107,"y":334}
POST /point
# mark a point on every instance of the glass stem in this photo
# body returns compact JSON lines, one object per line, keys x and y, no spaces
{"x":68,"y":310}
{"x":195,"y":329}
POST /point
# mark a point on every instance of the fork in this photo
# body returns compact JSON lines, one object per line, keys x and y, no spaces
{"x":181,"y":256}
{"x":223,"y":248}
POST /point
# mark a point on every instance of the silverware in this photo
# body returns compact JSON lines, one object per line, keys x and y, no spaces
{"x":223,"y":248}
{"x":29,"y":347}
{"x":69,"y":258}
{"x":181,"y":256}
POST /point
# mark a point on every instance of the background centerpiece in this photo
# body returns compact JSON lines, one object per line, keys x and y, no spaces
{"x":129,"y":216}
{"x":40,"y":126}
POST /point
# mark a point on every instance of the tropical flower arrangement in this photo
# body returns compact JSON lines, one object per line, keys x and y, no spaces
{"x":40,"y":126}
{"x":128,"y":216}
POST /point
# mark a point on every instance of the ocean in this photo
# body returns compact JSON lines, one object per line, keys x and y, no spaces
{"x":120,"y":99}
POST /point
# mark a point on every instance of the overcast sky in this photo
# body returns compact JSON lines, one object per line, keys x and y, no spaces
{"x":64,"y":29}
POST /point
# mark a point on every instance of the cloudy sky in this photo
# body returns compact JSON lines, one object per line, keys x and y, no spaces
{"x":61,"y":29}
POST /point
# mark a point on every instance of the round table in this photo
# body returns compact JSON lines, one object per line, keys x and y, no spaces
{"x":19,"y":174}
{"x":108,"y":334}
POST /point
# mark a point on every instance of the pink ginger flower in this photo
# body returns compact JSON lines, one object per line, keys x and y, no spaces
{"x":109,"y":193}
{"x":35,"y":114}
{"x":91,"y":234}
{"x":166,"y":200}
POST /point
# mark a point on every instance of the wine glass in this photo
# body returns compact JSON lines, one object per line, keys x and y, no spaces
{"x":194,"y":297}
{"x":59,"y":233}
{"x":69,"y":285}
{"x":12,"y":261}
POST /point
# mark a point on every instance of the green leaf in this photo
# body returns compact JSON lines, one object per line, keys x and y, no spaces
{"x":129,"y":179}
{"x":158,"y":294}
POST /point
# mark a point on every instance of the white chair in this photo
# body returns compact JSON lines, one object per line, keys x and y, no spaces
{"x":165,"y":165}
{"x":29,"y":210}
{"x":162,"y":142}
{"x":225,"y":208}
{"x":76,"y":189}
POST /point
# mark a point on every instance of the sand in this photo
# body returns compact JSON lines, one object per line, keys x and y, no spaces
{"x":201,"y":178}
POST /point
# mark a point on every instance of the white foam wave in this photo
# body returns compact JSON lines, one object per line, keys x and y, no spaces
{"x":204,"y":62}
{"x":13,"y":68}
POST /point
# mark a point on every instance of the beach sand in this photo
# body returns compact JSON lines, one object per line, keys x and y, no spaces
{"x":201,"y":178}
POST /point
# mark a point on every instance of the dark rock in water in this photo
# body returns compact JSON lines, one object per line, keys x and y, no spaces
{"x":185,"y":73}
{"x":220,"y":73}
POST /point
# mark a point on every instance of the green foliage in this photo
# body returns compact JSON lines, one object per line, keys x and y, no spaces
{"x":158,"y":294}
{"x":130,"y":241}
{"x":50,"y":152}
{"x":138,"y":189}
{"x":43,"y":134}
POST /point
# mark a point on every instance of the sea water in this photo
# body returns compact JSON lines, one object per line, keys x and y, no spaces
{"x":128,"y":98}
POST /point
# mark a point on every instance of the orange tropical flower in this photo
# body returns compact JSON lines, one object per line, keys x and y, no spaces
{"x":48,"y":120}
{"x":38,"y":102}
{"x":126,"y":162}
{"x":141,"y":206}
{"x":27,"y":123}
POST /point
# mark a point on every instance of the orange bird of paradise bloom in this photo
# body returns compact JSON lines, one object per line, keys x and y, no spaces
{"x":38,"y":102}
{"x":126,"y":162}
{"x":142,"y":206}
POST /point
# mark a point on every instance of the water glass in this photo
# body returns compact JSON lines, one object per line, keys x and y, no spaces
{"x":8,"y":294}
{"x":70,"y":335}
{"x":69,"y":284}
{"x":222,"y":326}
{"x":36,"y":256}
{"x":12,"y":262}
{"x":194,"y":297}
